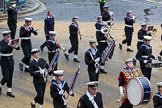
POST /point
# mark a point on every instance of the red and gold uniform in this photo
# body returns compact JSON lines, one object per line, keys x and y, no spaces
{"x":125,"y":75}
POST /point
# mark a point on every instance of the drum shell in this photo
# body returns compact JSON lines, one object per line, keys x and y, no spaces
{"x":145,"y":87}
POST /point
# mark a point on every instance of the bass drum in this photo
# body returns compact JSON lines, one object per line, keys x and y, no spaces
{"x":139,"y":90}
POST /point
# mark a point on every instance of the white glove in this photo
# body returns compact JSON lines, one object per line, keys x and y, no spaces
{"x":97,"y":59}
{"x":42,"y":71}
{"x":145,"y":61}
{"x":71,"y":92}
{"x":121,"y":91}
{"x":134,"y":17}
{"x":61,"y":92}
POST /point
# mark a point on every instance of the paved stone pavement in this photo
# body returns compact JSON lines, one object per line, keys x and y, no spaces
{"x":22,"y":82}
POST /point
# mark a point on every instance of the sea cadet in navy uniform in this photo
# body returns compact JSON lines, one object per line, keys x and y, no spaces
{"x":26,"y":45}
{"x":129,"y":21}
{"x":57,"y":89}
{"x":53,"y":45}
{"x":141,"y":33}
{"x":98,"y":25}
{"x":107,"y":16}
{"x":144,"y":55}
{"x":92,"y":59}
{"x":38,"y":69}
{"x":7,"y":61}
{"x":102,"y":44}
{"x":157,"y":99}
{"x":12,"y":18}
{"x":74,"y":31}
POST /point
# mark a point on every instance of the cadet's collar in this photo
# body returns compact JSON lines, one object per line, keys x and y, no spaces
{"x":128,"y":69}
{"x":62,"y":82}
{"x":159,"y":95}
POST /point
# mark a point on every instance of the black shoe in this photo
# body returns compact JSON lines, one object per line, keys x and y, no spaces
{"x":120,"y":46}
{"x":134,"y":62}
{"x":0,"y":90}
{"x":66,"y":57}
{"x":26,"y":70}
{"x":41,"y":48}
{"x":32,"y":105}
{"x":21,"y":67}
{"x":159,"y":58}
{"x":129,"y":50}
{"x":103,"y":71}
{"x":10,"y":94}
{"x":76,"y":60}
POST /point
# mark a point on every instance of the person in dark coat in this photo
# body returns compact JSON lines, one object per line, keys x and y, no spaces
{"x":157,"y":98}
{"x":26,"y":45}
{"x":129,"y":21}
{"x":49,"y":24}
{"x":12,"y":19}
{"x":92,"y":98}
{"x":57,"y":90}
{"x":38,"y":69}
{"x":144,"y":55}
{"x":74,"y":31}
{"x":7,"y":61}
{"x":92,"y":59}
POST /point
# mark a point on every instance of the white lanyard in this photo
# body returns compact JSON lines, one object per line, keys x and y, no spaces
{"x":91,"y":98}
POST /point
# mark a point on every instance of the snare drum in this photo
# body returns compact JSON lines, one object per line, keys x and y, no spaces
{"x":139,"y":90}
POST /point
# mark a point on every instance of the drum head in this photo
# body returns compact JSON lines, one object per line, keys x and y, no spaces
{"x":134,"y":91}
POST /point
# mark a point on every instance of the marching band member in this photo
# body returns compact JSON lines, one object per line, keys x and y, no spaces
{"x":37,"y":68}
{"x":57,"y":89}
{"x":12,"y":18}
{"x":25,"y":35}
{"x":92,"y":98}
{"x":7,"y":61}
{"x":98,"y":25}
{"x":125,"y":74}
{"x":144,"y":55}
{"x":129,"y":20}
{"x":102,"y":44}
{"x":49,"y":23}
{"x":106,"y":15}
{"x":102,"y":3}
{"x":74,"y":31}
{"x":92,"y":59}
{"x":157,"y":99}
{"x":141,"y":33}
{"x":53,"y":45}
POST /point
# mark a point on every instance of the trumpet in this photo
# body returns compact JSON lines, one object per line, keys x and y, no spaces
{"x":105,"y":29}
{"x":154,"y":31}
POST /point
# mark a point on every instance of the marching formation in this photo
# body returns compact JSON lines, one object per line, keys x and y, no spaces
{"x":134,"y":89}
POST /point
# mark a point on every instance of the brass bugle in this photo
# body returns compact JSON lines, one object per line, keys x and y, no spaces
{"x":154,"y":30}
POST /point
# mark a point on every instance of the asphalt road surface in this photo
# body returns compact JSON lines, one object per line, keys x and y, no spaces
{"x":87,"y":10}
